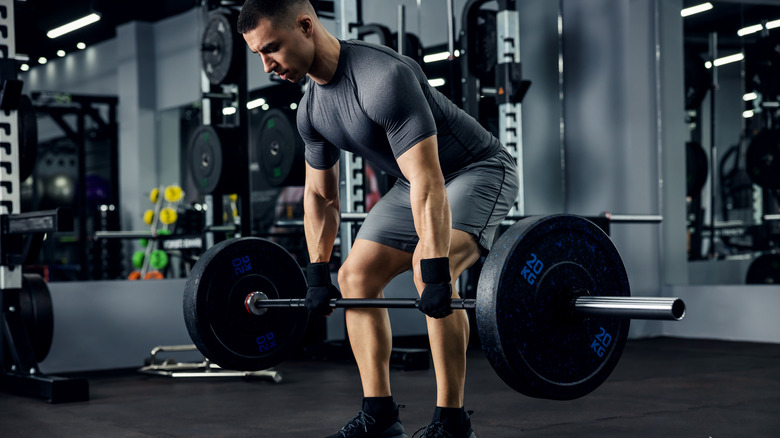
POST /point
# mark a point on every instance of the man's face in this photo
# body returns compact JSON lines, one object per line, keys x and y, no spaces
{"x":286,"y":49}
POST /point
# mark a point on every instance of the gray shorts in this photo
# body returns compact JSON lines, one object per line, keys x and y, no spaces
{"x":480,"y":195}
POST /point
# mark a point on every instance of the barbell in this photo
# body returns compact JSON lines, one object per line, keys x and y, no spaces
{"x":553,"y":306}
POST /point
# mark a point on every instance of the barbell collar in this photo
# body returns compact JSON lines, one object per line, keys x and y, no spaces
{"x":669,"y":309}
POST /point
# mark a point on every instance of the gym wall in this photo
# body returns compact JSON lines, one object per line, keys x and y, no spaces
{"x":610,"y":149}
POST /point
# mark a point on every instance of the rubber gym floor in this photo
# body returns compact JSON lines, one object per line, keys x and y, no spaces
{"x":662,"y":387}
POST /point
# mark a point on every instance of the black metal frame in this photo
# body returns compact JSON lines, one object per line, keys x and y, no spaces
{"x":19,"y":372}
{"x":58,"y":107}
{"x":216,"y":94}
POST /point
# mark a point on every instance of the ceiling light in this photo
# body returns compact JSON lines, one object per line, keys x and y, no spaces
{"x":265,"y":107}
{"x":437,"y":82}
{"x":21,"y":57}
{"x":229,"y":111}
{"x":696,"y":9}
{"x":725,"y":60}
{"x":73,"y":25}
{"x":81,"y":46}
{"x":750,"y":96}
{"x":748,"y":114}
{"x":750,"y":29}
{"x":293,"y":106}
{"x":24,"y":67}
{"x":441,"y":56}
{"x":436,"y":57}
{"x":42,"y":60}
{"x":60,"y":53}
{"x":758,"y":28}
{"x":729,"y":59}
{"x":252,"y":104}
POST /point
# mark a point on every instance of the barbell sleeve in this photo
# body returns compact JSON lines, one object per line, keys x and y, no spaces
{"x":608,"y":306}
{"x":672,"y":309}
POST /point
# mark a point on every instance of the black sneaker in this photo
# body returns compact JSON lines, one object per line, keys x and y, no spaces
{"x":437,"y":430}
{"x":364,"y":426}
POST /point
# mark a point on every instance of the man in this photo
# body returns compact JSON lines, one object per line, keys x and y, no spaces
{"x":456,"y":183}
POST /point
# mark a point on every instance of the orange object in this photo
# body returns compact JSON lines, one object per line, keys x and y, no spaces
{"x":135,"y":275}
{"x":154,"y":275}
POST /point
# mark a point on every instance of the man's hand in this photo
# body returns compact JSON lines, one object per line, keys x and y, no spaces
{"x":436,"y":299}
{"x":320,"y":290}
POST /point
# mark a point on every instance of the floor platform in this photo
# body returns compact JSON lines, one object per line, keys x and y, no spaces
{"x":662,"y":387}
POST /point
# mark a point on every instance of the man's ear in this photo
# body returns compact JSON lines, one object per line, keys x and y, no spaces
{"x":307,"y":26}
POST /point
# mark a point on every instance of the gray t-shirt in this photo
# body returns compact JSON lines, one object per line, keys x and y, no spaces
{"x":378,"y":105}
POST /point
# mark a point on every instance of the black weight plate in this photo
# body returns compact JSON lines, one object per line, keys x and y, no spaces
{"x":764,"y":270}
{"x":28,"y":137}
{"x":696,"y":168}
{"x":528,"y":281}
{"x":217,"y":48}
{"x":483,"y":42}
{"x":214,"y":159}
{"x":763,"y":159}
{"x":205,"y":157}
{"x":36,"y":310}
{"x":214,"y":310}
{"x":280,"y":150}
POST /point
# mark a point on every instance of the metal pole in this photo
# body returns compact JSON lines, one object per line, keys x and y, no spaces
{"x":510,"y":131}
{"x":713,"y":139}
{"x":611,"y":307}
{"x":635,"y":218}
{"x":401,"y":29}
{"x":451,"y":29}
{"x":362,"y":303}
{"x":672,"y":309}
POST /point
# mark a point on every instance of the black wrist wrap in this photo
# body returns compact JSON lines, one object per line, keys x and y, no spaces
{"x":435,"y":270}
{"x":318,"y":274}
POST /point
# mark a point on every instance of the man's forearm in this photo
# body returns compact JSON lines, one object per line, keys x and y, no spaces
{"x":321,"y":225}
{"x":432,"y":217}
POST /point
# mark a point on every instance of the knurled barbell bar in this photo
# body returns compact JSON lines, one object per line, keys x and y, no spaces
{"x":670,"y":309}
{"x":553,"y":306}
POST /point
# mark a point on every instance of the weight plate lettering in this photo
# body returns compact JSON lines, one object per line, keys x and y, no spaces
{"x":530,"y":277}
{"x":214,"y":310}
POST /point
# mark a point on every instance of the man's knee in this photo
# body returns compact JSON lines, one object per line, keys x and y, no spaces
{"x":355,"y":281}
{"x":464,"y":252}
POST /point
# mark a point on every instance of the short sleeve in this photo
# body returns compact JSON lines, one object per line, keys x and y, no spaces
{"x":318,"y":152}
{"x":400,"y":107}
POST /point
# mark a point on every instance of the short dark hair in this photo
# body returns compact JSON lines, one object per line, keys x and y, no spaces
{"x":254,"y":10}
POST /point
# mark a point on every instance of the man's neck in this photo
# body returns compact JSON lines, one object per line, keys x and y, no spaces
{"x":326,"y":58}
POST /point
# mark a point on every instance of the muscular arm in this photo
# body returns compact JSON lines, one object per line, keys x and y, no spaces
{"x":321,"y":211}
{"x":430,"y":207}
